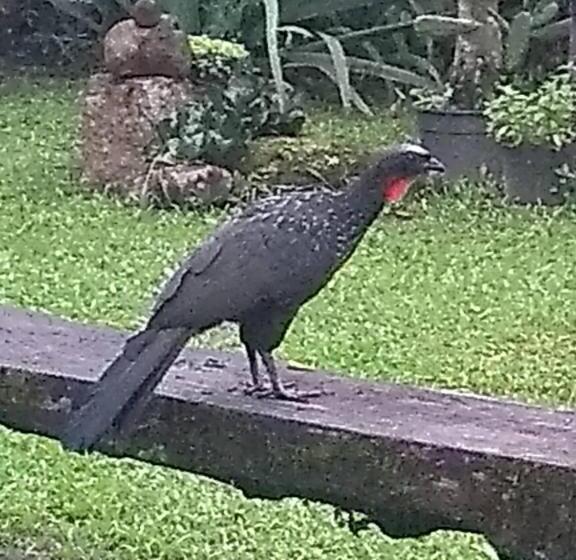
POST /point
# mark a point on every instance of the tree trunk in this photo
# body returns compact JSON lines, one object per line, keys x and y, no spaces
{"x":478,"y":55}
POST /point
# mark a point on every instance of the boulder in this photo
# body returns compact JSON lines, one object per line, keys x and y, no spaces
{"x":146,"y":13}
{"x":147,"y":62}
{"x":195,"y":184}
{"x":118,"y":121}
{"x":117,"y":130}
{"x":161,"y":50}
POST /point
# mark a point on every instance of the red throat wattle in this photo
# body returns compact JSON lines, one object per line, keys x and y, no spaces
{"x":394,"y":190}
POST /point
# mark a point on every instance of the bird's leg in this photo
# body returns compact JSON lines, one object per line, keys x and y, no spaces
{"x":256,"y":385}
{"x":253,"y":363}
{"x":278,"y":390}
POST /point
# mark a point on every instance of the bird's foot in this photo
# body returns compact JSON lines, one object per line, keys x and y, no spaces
{"x":280,"y":393}
{"x":261,"y":390}
{"x":254,"y":389}
{"x":284,"y":395}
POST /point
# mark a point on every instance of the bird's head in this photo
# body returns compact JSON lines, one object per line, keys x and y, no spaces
{"x":398,"y":166}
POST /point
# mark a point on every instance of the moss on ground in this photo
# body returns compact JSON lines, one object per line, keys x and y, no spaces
{"x":465,"y":295}
{"x":332,"y":144}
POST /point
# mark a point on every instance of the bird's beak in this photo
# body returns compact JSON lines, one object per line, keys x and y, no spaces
{"x":434,"y":167}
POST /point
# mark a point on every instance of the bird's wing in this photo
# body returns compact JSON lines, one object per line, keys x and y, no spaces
{"x":217,"y":281}
{"x":242,"y":263}
{"x":193,"y":265}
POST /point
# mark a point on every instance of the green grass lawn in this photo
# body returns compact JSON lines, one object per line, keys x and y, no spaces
{"x":465,"y":295}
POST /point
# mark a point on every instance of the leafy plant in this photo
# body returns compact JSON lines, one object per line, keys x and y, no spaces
{"x":519,"y":34}
{"x":204,"y":46}
{"x":215,"y":58}
{"x":217,"y":127}
{"x":335,"y":63}
{"x":543,"y":115}
{"x":427,"y":100}
{"x":488,"y":44}
{"x":286,"y":122}
{"x":296,"y":35}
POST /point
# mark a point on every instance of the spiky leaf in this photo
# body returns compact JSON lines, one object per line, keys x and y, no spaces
{"x":390,"y":72}
{"x":323,"y":63}
{"x":518,"y":39}
{"x":444,"y":26}
{"x":368,"y":67}
{"x":272,"y":23}
{"x":340,"y":66}
{"x":554,"y":31}
{"x":544,"y":13}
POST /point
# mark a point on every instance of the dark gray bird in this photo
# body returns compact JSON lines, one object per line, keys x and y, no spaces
{"x":256,"y":270}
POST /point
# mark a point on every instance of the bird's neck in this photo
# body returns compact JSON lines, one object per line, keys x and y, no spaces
{"x":365,"y":199}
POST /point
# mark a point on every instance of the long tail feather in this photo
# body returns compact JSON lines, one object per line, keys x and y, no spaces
{"x":129,"y":380}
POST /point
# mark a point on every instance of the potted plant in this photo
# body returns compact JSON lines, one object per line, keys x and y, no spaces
{"x":458,"y":136}
{"x":488,"y":46}
{"x":536,"y":129}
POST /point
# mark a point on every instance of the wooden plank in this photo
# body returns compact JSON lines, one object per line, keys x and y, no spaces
{"x":413,"y":460}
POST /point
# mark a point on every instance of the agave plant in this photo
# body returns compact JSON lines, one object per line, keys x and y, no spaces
{"x":334,"y":62}
{"x":484,"y":34}
{"x":534,"y":20}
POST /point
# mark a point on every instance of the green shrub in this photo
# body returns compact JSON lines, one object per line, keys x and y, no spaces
{"x":217,"y":127}
{"x":204,"y":46}
{"x":542,"y":115}
{"x":215,"y":58}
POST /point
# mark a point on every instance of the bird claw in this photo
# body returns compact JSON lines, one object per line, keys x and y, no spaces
{"x":251,"y":389}
{"x":283,"y":395}
{"x":262,"y":390}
